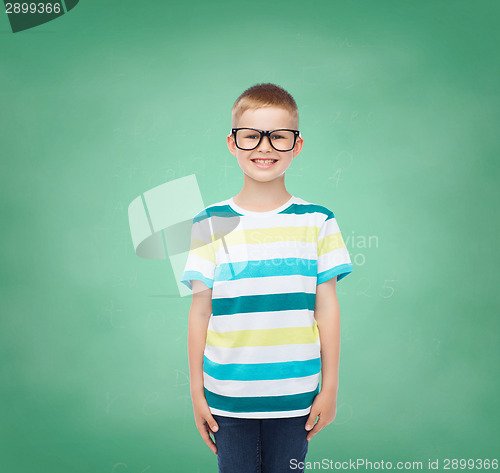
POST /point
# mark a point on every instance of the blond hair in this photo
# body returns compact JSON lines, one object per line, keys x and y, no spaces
{"x":264,"y":95}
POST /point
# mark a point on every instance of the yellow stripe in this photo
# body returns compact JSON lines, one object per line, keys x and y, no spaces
{"x":263,"y":337}
{"x":203,"y":250}
{"x":307,"y":234}
{"x":330,"y":243}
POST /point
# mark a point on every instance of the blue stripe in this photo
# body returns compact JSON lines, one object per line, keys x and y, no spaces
{"x":215,"y":211}
{"x":341,"y":271}
{"x":227,"y":211}
{"x":190,"y":275}
{"x":300,"y":209}
{"x":266,"y":268}
{"x":263,"y":303}
{"x":290,"y":402}
{"x":260,"y":371}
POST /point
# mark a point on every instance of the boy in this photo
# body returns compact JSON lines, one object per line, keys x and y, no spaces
{"x":264,"y":319}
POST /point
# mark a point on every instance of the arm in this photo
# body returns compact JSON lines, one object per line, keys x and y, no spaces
{"x":199,"y":316}
{"x":327,"y":315}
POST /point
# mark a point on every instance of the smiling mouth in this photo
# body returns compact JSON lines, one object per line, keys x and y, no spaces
{"x":264,"y":161}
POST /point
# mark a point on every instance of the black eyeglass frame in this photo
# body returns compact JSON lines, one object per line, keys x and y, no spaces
{"x":296,"y":134}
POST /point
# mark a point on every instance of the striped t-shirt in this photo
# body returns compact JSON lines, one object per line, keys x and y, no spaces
{"x":262,"y":354}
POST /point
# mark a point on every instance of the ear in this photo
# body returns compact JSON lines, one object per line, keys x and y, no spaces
{"x":231,"y":145}
{"x":298,"y":146}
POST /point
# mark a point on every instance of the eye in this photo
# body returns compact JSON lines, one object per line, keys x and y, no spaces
{"x":249,"y":135}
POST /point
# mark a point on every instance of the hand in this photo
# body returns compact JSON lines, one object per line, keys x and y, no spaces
{"x":205,"y":423}
{"x":324,"y":406}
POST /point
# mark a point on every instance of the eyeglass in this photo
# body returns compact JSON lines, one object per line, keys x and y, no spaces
{"x":282,"y":139}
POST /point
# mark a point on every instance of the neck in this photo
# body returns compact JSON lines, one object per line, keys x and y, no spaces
{"x":262,"y":196}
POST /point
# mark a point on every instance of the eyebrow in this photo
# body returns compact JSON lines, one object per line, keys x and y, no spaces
{"x":274,"y":129}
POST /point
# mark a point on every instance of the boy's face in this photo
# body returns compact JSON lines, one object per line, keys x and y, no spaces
{"x":266,"y":119}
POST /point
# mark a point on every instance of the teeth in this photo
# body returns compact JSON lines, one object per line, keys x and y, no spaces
{"x":262,"y":161}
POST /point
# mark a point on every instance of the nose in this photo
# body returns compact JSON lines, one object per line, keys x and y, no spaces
{"x":265,"y":143}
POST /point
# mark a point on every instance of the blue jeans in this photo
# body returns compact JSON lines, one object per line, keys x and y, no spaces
{"x":260,"y":445}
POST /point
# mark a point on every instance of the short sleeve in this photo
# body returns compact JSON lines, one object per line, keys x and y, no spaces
{"x":333,"y":257}
{"x":200,"y":264}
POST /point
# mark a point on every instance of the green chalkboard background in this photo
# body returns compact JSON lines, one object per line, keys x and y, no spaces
{"x":399,"y":109}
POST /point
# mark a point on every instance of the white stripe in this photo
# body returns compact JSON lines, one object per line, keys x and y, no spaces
{"x":196,"y":263}
{"x":266,"y":285}
{"x":332,"y":259}
{"x":330,"y":228}
{"x":265,"y":251}
{"x":261,"y":415}
{"x":267,"y":354}
{"x":262,"y":320}
{"x":298,"y":200}
{"x":313,"y":219}
{"x":268,"y":387}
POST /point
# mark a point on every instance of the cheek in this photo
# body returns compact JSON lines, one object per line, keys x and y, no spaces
{"x":243,"y":161}
{"x":284,"y":165}
{"x":242,"y":155}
